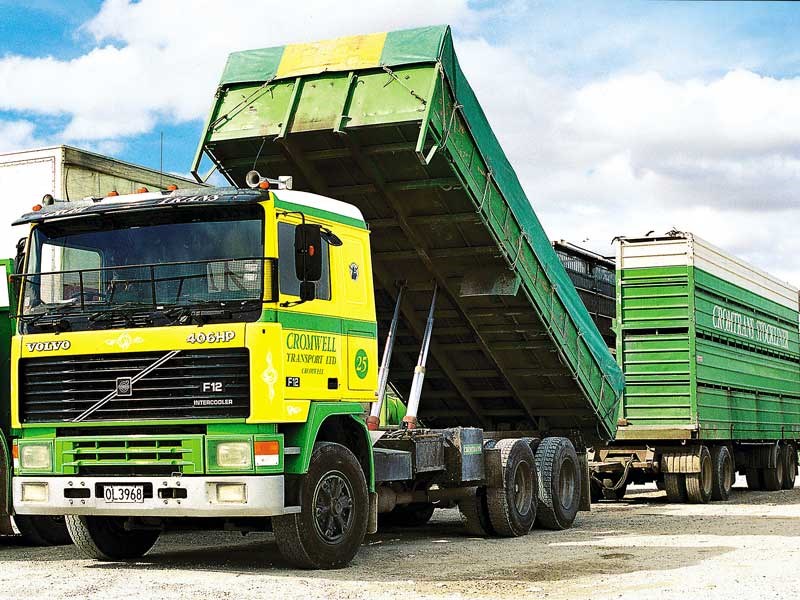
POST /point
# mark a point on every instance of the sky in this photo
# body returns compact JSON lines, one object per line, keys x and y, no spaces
{"x":619,"y":117}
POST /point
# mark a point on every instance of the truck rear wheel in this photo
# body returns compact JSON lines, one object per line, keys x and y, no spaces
{"x":105,"y":538}
{"x":722,"y":479}
{"x":675,"y":486}
{"x":475,"y":514}
{"x":512,"y":508}
{"x":559,"y":483}
{"x":43,"y":531}
{"x":332,"y":522}
{"x":773,"y":477}
{"x":699,"y":485}
{"x":755,"y":480}
{"x":790,"y":466}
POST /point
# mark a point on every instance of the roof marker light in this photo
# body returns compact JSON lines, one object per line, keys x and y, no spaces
{"x":172,"y":187}
{"x":142,"y":190}
{"x":113,"y":193}
{"x":37,"y":207}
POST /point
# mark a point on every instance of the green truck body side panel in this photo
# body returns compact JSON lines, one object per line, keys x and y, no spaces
{"x":403,"y":137}
{"x":702,"y":353}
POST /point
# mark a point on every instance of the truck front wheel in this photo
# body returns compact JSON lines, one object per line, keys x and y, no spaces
{"x":42,"y":531}
{"x":106,"y":538}
{"x":332,"y":522}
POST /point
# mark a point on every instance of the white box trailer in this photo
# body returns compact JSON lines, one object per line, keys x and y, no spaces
{"x":66,"y":173}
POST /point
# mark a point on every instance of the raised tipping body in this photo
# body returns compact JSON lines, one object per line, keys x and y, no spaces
{"x":388,"y":123}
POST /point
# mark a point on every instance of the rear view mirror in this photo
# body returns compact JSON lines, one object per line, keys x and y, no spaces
{"x":308,"y":252}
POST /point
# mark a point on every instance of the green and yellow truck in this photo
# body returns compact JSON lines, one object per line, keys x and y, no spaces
{"x":709,"y":348}
{"x":212,"y":356}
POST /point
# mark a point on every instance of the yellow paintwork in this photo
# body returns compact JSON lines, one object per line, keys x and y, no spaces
{"x":322,"y":339}
{"x":342,"y":54}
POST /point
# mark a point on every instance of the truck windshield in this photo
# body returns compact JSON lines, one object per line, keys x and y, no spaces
{"x":147,"y":268}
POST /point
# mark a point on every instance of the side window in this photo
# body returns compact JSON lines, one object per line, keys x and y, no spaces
{"x":289,"y":283}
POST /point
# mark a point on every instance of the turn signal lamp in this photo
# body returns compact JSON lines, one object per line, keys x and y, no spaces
{"x":267,"y":453}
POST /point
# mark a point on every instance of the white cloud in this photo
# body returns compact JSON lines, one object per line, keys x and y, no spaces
{"x":647,"y":146}
{"x":18,"y":135}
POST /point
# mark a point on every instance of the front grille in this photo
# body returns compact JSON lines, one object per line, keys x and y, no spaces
{"x":210,"y":384}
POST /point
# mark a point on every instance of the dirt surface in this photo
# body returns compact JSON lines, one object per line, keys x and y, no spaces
{"x":746,"y":548}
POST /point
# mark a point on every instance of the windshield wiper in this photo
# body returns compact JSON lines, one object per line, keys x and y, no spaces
{"x":124,"y":311}
{"x":201,"y":311}
{"x":51,"y":317}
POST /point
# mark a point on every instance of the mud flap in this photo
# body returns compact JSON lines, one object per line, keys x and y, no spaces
{"x":586,"y":493}
{"x":372,"y":520}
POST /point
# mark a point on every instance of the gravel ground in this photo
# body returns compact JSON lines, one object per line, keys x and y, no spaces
{"x":640,"y":548}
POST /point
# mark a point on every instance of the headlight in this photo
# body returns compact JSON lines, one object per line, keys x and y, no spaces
{"x":34,"y":456}
{"x":236,"y":455}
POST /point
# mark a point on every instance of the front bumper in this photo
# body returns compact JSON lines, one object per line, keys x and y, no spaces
{"x":163,"y":496}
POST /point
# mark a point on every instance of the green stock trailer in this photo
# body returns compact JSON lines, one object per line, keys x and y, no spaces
{"x":709,"y":348}
{"x":34,"y":530}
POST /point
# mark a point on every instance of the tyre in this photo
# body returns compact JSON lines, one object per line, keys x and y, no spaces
{"x":105,"y":538}
{"x":773,"y":477}
{"x":675,"y":486}
{"x":699,"y":485}
{"x":512,"y":508}
{"x":660,"y":485}
{"x":475,"y":514}
{"x":559,"y":483}
{"x":407,"y":515}
{"x":332,"y":522}
{"x":790,"y":466}
{"x":43,"y":531}
{"x":722,"y":473}
{"x":755,"y":480}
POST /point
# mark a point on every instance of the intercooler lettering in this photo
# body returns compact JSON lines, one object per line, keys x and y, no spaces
{"x":213,"y":402}
{"x":736,"y":323}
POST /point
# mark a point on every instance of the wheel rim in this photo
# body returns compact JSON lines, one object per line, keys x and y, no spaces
{"x":707,"y":472}
{"x":333,"y":507}
{"x":727,"y":473}
{"x":566,"y":483}
{"x":523,"y":489}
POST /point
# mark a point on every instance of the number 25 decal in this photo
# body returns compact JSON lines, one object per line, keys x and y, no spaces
{"x":361,"y":364}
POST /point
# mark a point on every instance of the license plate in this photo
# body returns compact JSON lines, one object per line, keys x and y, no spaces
{"x":123,"y":494}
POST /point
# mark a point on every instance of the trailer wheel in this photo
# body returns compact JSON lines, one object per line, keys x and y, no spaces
{"x":512,"y":508}
{"x":675,"y":486}
{"x":722,"y":462}
{"x":332,"y":522}
{"x":475,"y":514}
{"x":408,"y":515}
{"x":105,"y":538}
{"x":755,"y":479}
{"x":790,"y":466}
{"x":559,"y":483}
{"x":773,"y":477}
{"x":42,"y":531}
{"x":699,"y":485}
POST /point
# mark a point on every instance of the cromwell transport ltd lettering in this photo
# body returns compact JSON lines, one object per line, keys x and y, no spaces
{"x":736,"y":323}
{"x":311,"y":349}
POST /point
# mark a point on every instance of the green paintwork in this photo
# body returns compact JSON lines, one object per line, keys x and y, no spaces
{"x":316,"y":212}
{"x":322,"y":323}
{"x":427,"y":103}
{"x":6,"y":331}
{"x":304,"y":435}
{"x":683,"y":372}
